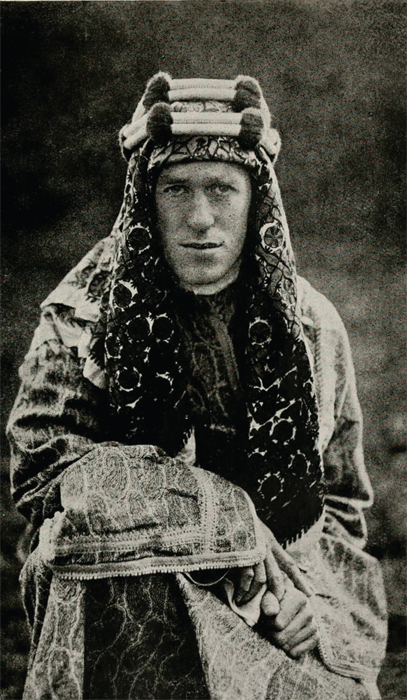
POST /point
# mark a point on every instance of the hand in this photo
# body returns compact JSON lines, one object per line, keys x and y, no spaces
{"x":250,"y":579}
{"x":248,"y":582}
{"x":280,"y":565}
{"x":293,"y":628}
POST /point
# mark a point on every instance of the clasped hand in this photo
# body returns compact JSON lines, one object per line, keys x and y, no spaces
{"x":287,"y":619}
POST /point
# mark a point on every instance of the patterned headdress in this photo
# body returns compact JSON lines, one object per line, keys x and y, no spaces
{"x":140,"y":341}
{"x":199,"y":107}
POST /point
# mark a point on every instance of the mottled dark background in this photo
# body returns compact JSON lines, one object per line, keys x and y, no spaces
{"x":333,"y":74}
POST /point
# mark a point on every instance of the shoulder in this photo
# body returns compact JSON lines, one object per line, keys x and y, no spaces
{"x":332,"y":362}
{"x":316,"y":310}
{"x":70,"y":313}
{"x":82,"y":288}
{"x":327,"y":336}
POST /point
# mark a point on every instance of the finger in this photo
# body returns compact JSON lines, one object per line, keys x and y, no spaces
{"x":304,"y":619}
{"x":299,"y":650}
{"x":290,"y":606}
{"x":291,"y":638}
{"x":269,"y":604}
{"x":288,"y":565}
{"x":286,"y":562}
{"x":244,"y":581}
{"x":258,"y":581}
{"x":287,"y":646}
{"x":302,"y":636}
{"x":275,"y":578}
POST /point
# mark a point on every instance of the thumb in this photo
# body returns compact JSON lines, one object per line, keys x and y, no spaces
{"x":270,"y":605}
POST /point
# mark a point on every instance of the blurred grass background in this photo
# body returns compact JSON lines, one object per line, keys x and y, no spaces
{"x":333,"y":73}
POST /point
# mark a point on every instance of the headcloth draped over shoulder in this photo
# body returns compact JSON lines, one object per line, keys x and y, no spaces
{"x":138,"y":343}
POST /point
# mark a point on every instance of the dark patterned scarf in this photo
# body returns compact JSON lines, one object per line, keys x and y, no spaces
{"x":144,"y":347}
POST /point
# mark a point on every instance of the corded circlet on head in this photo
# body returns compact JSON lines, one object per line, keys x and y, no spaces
{"x":234,"y":108}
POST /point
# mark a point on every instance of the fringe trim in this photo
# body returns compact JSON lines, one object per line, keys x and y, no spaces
{"x":142,"y":567}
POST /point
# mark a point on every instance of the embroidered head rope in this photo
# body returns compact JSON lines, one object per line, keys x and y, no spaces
{"x":139,"y":342}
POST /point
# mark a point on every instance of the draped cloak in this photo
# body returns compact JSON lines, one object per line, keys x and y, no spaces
{"x":134,"y":473}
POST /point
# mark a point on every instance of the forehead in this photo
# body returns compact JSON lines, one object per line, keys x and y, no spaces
{"x":200,"y":171}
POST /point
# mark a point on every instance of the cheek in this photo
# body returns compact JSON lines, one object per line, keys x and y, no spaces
{"x":167,"y":221}
{"x":236,"y":217}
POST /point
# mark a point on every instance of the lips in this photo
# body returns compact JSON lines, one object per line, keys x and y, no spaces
{"x":201,"y":246}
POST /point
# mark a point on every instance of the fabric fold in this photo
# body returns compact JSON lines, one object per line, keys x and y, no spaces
{"x":143,"y":512}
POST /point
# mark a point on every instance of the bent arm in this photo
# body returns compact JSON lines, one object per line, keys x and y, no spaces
{"x":349,"y":490}
{"x":110,"y":507}
{"x":57,"y":418}
{"x":348,"y":486}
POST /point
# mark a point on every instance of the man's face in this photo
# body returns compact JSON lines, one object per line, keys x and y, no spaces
{"x":202,"y":211}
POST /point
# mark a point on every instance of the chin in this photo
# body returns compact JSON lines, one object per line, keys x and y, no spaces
{"x":204,"y":277}
{"x":201,"y":280}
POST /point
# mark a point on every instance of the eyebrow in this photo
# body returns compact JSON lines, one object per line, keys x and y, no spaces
{"x":212,"y":180}
{"x":166,"y":179}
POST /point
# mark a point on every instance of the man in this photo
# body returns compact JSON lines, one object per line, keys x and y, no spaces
{"x":186,"y":441}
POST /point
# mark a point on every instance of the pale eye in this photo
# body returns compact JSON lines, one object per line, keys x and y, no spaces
{"x":173,"y":190}
{"x":222,"y":188}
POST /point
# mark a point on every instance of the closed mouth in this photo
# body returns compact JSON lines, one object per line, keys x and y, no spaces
{"x":201,"y":246}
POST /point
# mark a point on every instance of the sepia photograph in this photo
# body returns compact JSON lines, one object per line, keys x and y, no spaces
{"x":204,"y":427}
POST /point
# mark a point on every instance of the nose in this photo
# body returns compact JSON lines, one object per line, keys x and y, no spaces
{"x":200,"y":217}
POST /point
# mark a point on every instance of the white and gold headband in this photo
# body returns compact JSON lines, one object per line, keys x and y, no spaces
{"x":199,"y":107}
